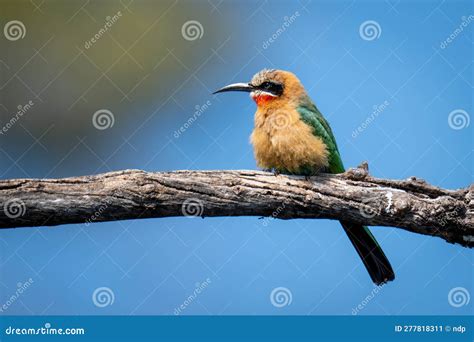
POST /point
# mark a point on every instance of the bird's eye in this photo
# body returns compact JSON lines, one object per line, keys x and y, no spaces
{"x":271,"y":87}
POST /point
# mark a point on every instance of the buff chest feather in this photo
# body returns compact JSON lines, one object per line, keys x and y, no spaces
{"x":281,"y":140}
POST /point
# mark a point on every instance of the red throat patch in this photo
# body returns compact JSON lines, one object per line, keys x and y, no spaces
{"x":261,"y":100}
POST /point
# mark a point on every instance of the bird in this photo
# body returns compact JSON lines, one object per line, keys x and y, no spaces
{"x":291,"y":136}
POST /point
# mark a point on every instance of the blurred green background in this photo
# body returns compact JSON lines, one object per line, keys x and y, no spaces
{"x":135,"y":65}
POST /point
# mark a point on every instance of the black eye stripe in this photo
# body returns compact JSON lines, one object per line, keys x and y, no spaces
{"x":274,"y":88}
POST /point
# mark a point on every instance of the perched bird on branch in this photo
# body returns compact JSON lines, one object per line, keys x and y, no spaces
{"x":291,"y":136}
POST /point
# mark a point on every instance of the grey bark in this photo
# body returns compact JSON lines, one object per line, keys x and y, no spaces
{"x":410,"y":204}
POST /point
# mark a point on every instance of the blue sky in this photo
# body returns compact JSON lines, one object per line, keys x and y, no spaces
{"x":152,"y":266}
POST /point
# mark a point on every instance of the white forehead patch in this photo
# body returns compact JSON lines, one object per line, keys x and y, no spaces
{"x":263,"y":75}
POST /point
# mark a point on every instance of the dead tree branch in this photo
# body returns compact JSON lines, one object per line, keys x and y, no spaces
{"x":410,"y":204}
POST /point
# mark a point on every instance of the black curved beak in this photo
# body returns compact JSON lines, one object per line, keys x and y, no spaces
{"x":247,"y":87}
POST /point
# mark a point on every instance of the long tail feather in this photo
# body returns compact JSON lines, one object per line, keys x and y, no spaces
{"x":370,"y":252}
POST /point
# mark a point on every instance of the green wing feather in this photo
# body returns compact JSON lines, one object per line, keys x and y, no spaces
{"x":313,"y":117}
{"x":364,"y":242}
